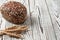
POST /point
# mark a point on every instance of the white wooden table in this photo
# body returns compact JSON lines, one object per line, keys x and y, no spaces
{"x":43,"y":20}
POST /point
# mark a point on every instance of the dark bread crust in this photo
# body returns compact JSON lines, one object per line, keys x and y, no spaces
{"x":14,"y":12}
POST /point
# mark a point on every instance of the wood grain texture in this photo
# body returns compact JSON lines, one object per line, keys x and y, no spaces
{"x":54,"y":18}
{"x":43,"y":20}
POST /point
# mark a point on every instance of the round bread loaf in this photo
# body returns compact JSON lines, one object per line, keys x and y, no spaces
{"x":14,"y":12}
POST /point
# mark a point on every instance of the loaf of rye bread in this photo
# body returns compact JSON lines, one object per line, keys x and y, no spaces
{"x":14,"y":12}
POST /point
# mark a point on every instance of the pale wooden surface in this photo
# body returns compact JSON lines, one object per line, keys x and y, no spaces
{"x":43,"y":20}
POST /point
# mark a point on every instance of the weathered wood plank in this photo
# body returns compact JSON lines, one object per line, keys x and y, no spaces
{"x":46,"y":21}
{"x":36,"y":27}
{"x":28,"y":35}
{"x":55,"y":19}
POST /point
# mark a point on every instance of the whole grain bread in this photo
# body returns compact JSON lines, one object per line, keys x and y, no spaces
{"x":14,"y":12}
